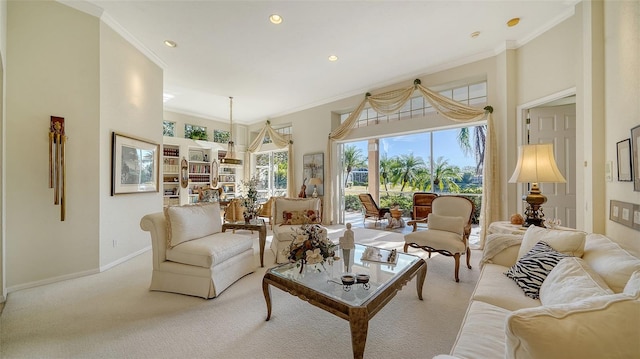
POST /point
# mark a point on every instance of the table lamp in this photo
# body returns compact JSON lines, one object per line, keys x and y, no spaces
{"x":536,"y":164}
{"x":315,"y":181}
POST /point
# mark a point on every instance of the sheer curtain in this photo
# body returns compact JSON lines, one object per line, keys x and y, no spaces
{"x":390,"y":102}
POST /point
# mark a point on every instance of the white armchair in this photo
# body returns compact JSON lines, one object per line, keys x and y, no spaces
{"x":289,"y":214}
{"x":449,"y":229}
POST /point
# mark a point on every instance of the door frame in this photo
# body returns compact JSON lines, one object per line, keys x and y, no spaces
{"x":521,"y":111}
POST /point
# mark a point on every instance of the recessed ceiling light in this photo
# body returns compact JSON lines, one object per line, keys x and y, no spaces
{"x":475,"y":34}
{"x":275,"y":19}
{"x":170,"y":43}
{"x":333,"y":58}
{"x":513,"y":22}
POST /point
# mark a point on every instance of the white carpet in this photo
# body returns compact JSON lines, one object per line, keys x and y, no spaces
{"x":114,"y":315}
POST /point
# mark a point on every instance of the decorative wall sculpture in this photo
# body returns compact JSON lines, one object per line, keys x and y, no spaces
{"x":57,"y":163}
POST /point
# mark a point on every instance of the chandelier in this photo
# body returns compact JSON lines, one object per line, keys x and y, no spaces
{"x":230,"y":157}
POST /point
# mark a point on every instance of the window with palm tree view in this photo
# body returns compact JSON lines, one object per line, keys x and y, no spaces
{"x":447,"y":161}
{"x":271,"y":168}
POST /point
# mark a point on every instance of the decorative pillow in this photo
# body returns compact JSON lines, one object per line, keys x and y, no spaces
{"x":596,"y":327}
{"x":614,"y":264}
{"x":633,"y":285}
{"x":532,"y":269}
{"x":570,"y":281}
{"x":300,"y":217}
{"x":567,"y":242}
{"x":446,"y":223}
{"x":185,"y":223}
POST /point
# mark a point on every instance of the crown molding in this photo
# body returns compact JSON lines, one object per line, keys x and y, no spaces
{"x":98,"y":12}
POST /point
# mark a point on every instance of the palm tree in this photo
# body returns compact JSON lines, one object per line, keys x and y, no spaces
{"x":445,"y":175}
{"x":422,"y":180}
{"x":406,"y":169}
{"x":479,"y":138}
{"x":385,"y":171}
{"x":352,"y":159}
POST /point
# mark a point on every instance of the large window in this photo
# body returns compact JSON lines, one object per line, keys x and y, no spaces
{"x":271,"y":168}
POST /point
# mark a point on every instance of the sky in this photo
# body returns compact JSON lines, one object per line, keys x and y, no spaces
{"x":444,"y":144}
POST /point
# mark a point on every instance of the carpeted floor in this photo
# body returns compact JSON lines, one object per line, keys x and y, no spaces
{"x":114,"y":315}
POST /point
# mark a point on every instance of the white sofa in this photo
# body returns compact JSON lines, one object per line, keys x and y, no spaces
{"x":288,"y":214}
{"x":191,"y":254}
{"x":588,"y":305}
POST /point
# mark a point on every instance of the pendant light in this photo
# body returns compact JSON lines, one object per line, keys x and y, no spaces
{"x":230,"y":157}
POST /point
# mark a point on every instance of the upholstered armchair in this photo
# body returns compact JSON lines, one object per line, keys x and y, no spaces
{"x":288,"y":214}
{"x":449,"y":227}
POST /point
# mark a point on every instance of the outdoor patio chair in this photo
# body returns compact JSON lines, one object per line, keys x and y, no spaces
{"x":422,"y":204}
{"x":449,"y":229}
{"x":371,"y":209}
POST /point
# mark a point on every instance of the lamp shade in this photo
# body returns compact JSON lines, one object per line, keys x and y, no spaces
{"x":536,"y":164}
{"x":315,"y":181}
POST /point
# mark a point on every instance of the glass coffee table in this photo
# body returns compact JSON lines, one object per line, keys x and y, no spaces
{"x":357,"y":303}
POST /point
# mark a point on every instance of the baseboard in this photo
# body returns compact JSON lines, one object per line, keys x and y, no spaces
{"x":38,"y":283}
{"x":124,"y":259}
{"x":78,"y":274}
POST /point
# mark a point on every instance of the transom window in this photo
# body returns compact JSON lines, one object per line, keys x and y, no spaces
{"x":471,"y":95}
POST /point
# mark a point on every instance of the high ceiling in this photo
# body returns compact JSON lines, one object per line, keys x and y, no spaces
{"x":229,"y":48}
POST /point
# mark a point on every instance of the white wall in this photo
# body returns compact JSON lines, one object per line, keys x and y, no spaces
{"x":3,"y":51}
{"x":131,"y":104}
{"x":52,"y":69}
{"x":622,"y":107}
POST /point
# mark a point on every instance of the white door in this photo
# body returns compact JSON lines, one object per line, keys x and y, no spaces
{"x":557,"y":125}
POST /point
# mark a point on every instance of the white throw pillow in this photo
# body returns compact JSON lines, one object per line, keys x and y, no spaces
{"x":567,"y":242}
{"x":185,"y":223}
{"x":633,"y":285}
{"x":572,"y":280}
{"x":446,"y":223}
{"x":614,"y":264}
{"x":597,"y":327}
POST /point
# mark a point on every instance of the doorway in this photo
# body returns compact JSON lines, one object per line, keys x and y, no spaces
{"x":554,"y":121}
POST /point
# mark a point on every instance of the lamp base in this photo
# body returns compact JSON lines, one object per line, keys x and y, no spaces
{"x":315,"y":192}
{"x":533,"y":214}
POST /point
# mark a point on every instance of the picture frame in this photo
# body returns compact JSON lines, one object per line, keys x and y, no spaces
{"x":228,"y":188}
{"x":625,"y":213}
{"x":313,"y":167}
{"x":135,"y":165}
{"x":196,"y":155}
{"x":635,"y":154}
{"x":624,"y":160}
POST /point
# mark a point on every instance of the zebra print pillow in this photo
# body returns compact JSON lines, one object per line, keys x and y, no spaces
{"x":532,"y":269}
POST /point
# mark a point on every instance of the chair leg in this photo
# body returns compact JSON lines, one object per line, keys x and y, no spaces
{"x":469,"y":258}
{"x":457,"y":258}
{"x":406,"y":246}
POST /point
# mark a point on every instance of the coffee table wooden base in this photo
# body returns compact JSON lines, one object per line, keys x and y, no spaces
{"x":358,"y":316}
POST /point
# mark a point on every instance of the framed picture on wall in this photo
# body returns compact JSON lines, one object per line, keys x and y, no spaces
{"x":635,"y":157}
{"x":624,"y":160}
{"x":134,"y":165}
{"x":313,"y":170}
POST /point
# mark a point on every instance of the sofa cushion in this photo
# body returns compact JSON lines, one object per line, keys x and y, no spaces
{"x":185,"y":223}
{"x":300,"y":217}
{"x":567,"y":242}
{"x":496,"y":289}
{"x":570,"y":281}
{"x":482,"y":332}
{"x":446,"y":223}
{"x":210,"y":250}
{"x":614,"y":264}
{"x":596,"y":327}
{"x":532,"y":269}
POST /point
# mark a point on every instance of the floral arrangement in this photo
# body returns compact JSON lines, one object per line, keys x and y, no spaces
{"x":310,"y":245}
{"x":250,"y":202}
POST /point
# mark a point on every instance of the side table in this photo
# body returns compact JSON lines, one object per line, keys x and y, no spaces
{"x":258,"y":225}
{"x":506,"y":227}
